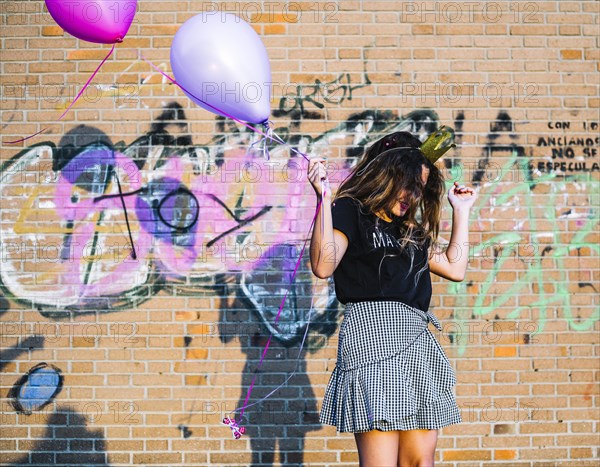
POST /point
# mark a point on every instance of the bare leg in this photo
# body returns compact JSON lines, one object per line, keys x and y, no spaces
{"x":377,"y":448}
{"x":417,"y":448}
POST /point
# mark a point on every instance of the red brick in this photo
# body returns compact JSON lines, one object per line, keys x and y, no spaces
{"x":52,"y":31}
{"x":505,"y":454}
{"x":571,"y":54}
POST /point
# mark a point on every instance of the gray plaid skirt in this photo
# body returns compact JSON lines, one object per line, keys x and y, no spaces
{"x":391,"y":373}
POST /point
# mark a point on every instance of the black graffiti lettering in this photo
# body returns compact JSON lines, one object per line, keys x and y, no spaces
{"x":319,"y":93}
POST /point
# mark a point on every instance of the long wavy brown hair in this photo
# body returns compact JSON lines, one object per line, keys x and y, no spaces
{"x":392,"y":167}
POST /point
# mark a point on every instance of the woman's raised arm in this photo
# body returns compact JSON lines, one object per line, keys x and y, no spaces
{"x":327,"y":245}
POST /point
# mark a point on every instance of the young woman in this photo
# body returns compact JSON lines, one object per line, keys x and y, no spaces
{"x":393,"y":384}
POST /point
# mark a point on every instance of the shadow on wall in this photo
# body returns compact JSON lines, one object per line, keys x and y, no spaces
{"x":4,"y":305}
{"x":71,"y":143}
{"x":281,"y":422}
{"x":68,"y":442}
{"x":25,"y":346}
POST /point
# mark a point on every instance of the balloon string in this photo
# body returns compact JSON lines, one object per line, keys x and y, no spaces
{"x":277,"y":138}
{"x":74,"y":100}
{"x":277,"y":319}
{"x":264,"y":141}
{"x":268,"y":135}
{"x":245,"y":406}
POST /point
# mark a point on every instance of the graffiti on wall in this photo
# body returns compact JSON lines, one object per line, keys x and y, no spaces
{"x":95,"y":226}
{"x":570,"y":153}
{"x":105,"y":226}
{"x":532,"y":241}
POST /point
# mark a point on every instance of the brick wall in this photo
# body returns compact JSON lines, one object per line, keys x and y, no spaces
{"x":112,"y":360}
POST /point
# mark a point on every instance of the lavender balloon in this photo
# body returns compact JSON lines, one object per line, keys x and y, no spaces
{"x":100,"y":21}
{"x":220,"y":59}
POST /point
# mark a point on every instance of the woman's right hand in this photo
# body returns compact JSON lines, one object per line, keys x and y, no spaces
{"x":317,"y":175}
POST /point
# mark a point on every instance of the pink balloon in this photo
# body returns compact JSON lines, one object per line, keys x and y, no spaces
{"x":221,"y":63}
{"x":101,"y":21}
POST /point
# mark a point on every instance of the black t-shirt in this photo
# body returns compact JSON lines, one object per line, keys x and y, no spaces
{"x":375,"y":267}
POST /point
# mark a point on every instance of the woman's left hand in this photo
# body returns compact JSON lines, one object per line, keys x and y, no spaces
{"x":461,"y":197}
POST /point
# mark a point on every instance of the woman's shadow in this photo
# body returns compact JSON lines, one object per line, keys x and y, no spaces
{"x":289,"y":411}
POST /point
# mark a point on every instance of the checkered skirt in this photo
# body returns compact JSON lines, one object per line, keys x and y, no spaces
{"x":391,"y":373}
